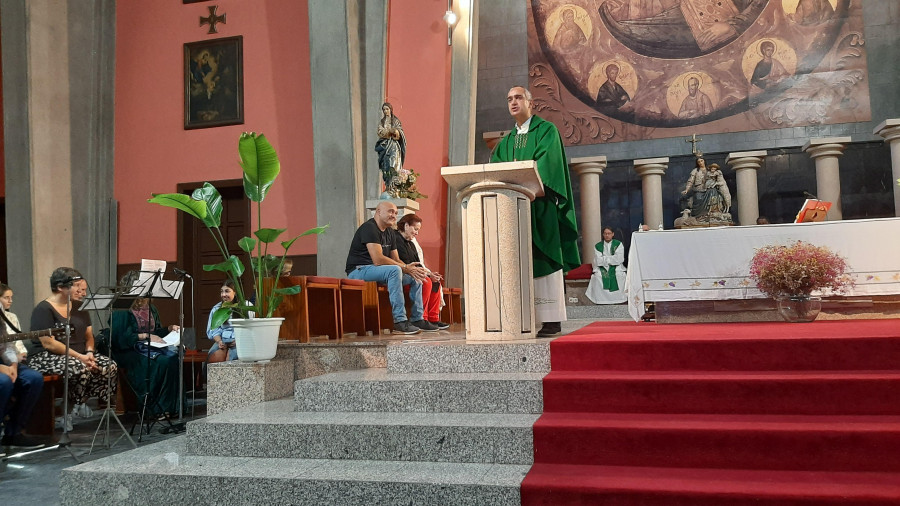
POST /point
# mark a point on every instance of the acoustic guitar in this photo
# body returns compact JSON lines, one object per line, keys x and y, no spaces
{"x":58,"y":330}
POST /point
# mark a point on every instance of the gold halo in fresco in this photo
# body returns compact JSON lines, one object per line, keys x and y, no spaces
{"x":784,"y":53}
{"x":678,"y":90}
{"x":568,"y":36}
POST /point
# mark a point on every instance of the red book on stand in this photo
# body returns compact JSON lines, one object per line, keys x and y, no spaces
{"x":813,"y":210}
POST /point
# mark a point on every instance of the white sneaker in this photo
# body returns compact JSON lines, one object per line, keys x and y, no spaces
{"x":82,"y":411}
{"x":68,"y":422}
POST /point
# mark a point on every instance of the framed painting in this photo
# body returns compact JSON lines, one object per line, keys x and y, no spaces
{"x":213,"y":83}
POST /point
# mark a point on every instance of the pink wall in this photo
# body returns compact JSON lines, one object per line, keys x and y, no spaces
{"x":153,"y":153}
{"x":418,"y":86}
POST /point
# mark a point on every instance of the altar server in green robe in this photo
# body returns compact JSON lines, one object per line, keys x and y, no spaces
{"x":607,"y":284}
{"x":554,"y":232}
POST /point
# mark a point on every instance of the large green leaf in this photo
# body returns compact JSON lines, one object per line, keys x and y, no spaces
{"x":209,"y":194}
{"x":314,"y":230}
{"x":269,"y":235}
{"x":182,"y":202}
{"x":288,"y":290}
{"x":260,"y":164}
{"x":220,"y":316}
{"x":232,"y":266}
{"x":247,"y":244}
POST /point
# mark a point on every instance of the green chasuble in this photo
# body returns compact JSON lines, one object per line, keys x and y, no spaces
{"x":608,"y":274}
{"x":554,"y":233}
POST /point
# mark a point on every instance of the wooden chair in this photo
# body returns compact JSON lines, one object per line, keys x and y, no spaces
{"x":315,"y":311}
{"x":353,"y":310}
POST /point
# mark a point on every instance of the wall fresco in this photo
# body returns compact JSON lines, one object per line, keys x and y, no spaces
{"x":621,"y":70}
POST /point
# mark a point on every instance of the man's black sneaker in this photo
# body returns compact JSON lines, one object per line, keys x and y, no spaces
{"x":426,"y":326}
{"x":21,"y":442}
{"x":405,"y":327}
{"x":441,"y":325}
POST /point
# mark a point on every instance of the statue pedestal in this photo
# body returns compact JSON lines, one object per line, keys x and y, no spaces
{"x":404,"y":206}
{"x":496,"y":237}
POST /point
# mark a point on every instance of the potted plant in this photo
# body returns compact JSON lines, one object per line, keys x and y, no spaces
{"x":790,"y":274}
{"x":260,"y":165}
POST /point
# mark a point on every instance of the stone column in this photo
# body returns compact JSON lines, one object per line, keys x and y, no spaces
{"x":745,"y":165}
{"x":651,"y":171}
{"x":890,"y":130}
{"x":825,"y":151}
{"x":589,"y":170}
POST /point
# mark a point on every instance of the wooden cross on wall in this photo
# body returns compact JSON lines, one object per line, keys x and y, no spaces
{"x":212,"y":19}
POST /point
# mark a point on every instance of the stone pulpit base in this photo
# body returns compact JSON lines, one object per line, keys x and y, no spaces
{"x":496,"y":237}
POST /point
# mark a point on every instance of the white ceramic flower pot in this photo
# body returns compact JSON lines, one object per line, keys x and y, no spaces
{"x":256,"y":339}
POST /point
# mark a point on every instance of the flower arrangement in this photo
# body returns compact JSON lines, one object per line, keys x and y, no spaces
{"x":403,"y":185}
{"x":798,"y":269}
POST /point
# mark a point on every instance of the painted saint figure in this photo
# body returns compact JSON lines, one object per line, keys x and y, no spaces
{"x":611,"y":94}
{"x":569,"y":35}
{"x":391,"y":149}
{"x":769,"y":71}
{"x":697,"y":104}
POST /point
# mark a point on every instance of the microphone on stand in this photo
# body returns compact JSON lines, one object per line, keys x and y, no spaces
{"x":181,"y":272}
{"x":810,"y":196}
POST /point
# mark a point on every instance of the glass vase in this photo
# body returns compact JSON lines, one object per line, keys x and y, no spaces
{"x":799,"y":308}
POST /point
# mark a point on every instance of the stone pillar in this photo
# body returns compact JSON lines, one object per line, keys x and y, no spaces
{"x":890,"y":130}
{"x":651,"y":171}
{"x":589,"y":170}
{"x":825,"y":151}
{"x":404,"y":206}
{"x":745,"y":165}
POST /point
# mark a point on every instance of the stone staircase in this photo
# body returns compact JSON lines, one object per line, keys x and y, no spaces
{"x":445,"y":423}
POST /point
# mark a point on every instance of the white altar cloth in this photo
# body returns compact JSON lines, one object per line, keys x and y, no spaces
{"x":714,"y":263}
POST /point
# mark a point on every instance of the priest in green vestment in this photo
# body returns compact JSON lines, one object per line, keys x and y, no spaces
{"x":554,"y":232}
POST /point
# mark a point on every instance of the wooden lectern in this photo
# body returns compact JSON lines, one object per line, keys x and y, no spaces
{"x":496,"y":235}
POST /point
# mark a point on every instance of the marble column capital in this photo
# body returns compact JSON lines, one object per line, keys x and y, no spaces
{"x":493,"y":138}
{"x":889,"y":129}
{"x":826,"y":146}
{"x":588,"y":165}
{"x":746,"y":160}
{"x":651,"y":166}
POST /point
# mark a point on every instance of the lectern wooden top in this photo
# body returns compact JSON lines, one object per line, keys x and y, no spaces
{"x":523,"y":173}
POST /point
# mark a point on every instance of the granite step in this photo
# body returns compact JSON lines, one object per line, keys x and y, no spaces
{"x":459,"y":356}
{"x":167,"y":473}
{"x":274,"y":429}
{"x":379,"y":391}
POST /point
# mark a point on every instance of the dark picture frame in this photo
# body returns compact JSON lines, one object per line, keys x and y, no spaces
{"x":214,"y":83}
{"x":193,"y":1}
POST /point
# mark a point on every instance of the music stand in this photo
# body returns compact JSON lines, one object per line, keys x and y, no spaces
{"x":150,"y":285}
{"x":813,"y":210}
{"x":99,"y":302}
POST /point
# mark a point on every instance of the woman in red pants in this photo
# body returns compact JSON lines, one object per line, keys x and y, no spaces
{"x":409,"y":251}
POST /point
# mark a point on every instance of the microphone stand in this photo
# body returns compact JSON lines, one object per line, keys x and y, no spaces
{"x":65,"y":441}
{"x":179,"y":427}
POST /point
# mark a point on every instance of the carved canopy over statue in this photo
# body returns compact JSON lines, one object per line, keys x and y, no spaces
{"x":705,"y":200}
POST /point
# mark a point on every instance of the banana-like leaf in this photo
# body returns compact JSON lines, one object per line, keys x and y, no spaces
{"x":314,"y":230}
{"x":288,"y":290}
{"x":269,"y":235}
{"x":209,"y":194}
{"x":247,"y":244}
{"x":232,"y":265}
{"x":195,"y":208}
{"x":260,"y":164}
{"x":220,"y":316}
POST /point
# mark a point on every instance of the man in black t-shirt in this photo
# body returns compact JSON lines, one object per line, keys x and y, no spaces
{"x":373,"y":257}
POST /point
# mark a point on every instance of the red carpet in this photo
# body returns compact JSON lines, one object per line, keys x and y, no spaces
{"x":720,"y":415}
